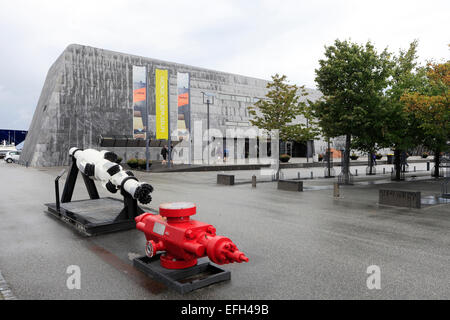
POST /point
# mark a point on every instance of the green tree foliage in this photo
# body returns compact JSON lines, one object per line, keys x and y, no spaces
{"x":281,"y":108}
{"x":352,"y":78}
{"x":401,"y":128}
{"x":430,"y":105}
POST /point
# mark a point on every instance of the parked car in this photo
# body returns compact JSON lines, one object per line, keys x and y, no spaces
{"x":3,"y":153}
{"x":12,"y":156}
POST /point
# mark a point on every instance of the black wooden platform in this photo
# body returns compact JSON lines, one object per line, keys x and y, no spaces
{"x":93,"y":216}
{"x":182,"y":280}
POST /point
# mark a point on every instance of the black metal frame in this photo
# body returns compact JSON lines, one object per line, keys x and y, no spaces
{"x":117,"y":221}
{"x":58,"y":204}
{"x":182,"y":280}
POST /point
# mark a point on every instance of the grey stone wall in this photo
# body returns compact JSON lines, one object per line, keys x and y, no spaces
{"x":400,"y":198}
{"x":88,"y":93}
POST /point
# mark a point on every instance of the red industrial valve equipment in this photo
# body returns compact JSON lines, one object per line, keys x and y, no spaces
{"x":184,"y":240}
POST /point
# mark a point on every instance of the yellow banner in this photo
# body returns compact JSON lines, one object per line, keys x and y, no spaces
{"x":162,"y":104}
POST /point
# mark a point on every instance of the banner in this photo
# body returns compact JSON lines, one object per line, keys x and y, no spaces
{"x":140,"y":110}
{"x":183,"y":124}
{"x":162,"y":104}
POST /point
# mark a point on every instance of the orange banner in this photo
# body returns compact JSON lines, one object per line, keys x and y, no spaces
{"x":139,"y":95}
{"x":183,"y":99}
{"x":140,"y":109}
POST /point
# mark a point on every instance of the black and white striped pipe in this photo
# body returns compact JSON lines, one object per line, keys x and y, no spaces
{"x":97,"y":165}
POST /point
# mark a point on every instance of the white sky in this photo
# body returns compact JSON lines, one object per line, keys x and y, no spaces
{"x":252,"y":38}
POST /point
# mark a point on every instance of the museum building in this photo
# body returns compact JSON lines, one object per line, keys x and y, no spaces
{"x":96,"y":98}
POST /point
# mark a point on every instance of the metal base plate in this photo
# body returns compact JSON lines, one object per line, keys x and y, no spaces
{"x":93,"y":217}
{"x":182,"y":280}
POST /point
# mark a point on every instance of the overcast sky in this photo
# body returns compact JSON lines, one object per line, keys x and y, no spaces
{"x":252,"y":38}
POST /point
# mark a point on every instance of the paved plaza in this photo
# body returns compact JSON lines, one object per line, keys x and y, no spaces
{"x":301,"y":245}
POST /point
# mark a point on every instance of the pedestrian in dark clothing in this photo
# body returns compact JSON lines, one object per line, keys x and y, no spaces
{"x":403,"y":161}
{"x":164,"y":153}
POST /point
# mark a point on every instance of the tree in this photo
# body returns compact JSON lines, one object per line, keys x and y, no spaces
{"x":401,"y":129}
{"x":352,"y":78}
{"x":431,"y":106}
{"x":281,"y":108}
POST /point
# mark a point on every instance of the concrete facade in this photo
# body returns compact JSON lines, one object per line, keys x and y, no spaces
{"x":88,"y":93}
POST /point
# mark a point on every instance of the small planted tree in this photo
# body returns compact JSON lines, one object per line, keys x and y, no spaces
{"x":281,"y":108}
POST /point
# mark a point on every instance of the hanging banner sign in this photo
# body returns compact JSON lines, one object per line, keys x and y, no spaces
{"x":183,"y":124}
{"x":162,"y":104}
{"x":140,"y":110}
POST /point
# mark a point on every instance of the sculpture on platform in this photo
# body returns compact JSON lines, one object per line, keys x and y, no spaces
{"x":101,"y":166}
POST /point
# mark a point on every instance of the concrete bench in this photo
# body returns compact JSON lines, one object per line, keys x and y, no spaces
{"x":226,"y":179}
{"x":290,"y":185}
{"x":400,"y":198}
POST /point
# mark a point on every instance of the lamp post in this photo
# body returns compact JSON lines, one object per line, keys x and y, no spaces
{"x":147,"y":130}
{"x":208,"y":99}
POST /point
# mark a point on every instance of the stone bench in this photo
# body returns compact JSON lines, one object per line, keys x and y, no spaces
{"x":400,"y":198}
{"x":226,"y":179}
{"x":290,"y":185}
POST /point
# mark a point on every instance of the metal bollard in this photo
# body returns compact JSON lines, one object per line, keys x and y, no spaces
{"x":356,"y":172}
{"x":336,"y":190}
{"x":312,"y":177}
{"x":384,"y":170}
{"x":414,"y":168}
{"x":428,"y":165}
{"x":254,"y":181}
{"x":298,"y":175}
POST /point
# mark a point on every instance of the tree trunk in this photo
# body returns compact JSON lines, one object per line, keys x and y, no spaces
{"x":277,"y":176}
{"x":436,"y":162}
{"x":397,"y":164}
{"x":348,"y":139}
{"x":329,"y":158}
{"x":370,"y":163}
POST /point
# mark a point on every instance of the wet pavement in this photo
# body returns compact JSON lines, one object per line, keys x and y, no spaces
{"x":305,"y":245}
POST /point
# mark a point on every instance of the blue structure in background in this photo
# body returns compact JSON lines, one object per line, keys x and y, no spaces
{"x":12,"y":136}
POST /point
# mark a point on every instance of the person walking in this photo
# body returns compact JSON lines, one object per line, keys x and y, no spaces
{"x":164,"y":153}
{"x":403,"y":161}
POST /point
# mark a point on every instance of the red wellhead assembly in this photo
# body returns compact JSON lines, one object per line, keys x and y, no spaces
{"x":184,"y":240}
